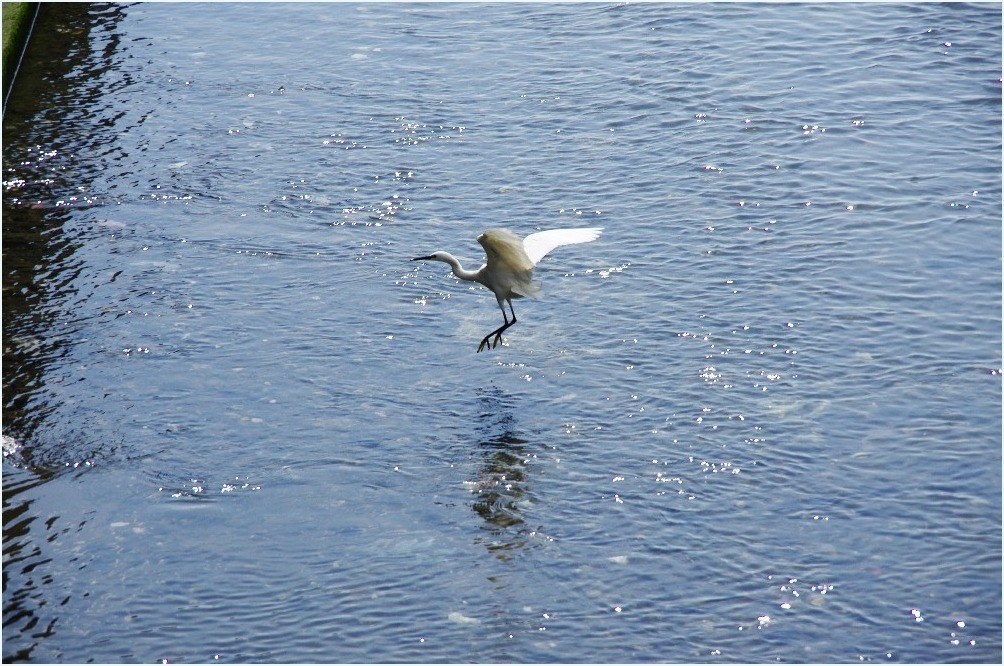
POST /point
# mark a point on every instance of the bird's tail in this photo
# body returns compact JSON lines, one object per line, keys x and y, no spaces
{"x":529,"y":288}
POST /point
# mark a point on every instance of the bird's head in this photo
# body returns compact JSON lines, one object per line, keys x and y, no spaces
{"x":435,"y":256}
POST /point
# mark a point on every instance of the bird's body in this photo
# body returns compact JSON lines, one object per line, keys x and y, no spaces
{"x":509,"y":264}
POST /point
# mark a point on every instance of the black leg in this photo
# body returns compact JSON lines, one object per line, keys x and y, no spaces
{"x":498,"y":334}
{"x":498,"y":331}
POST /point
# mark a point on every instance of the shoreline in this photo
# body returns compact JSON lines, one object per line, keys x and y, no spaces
{"x":17,"y":20}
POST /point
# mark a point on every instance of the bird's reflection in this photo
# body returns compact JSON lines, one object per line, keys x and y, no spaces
{"x":501,"y":485}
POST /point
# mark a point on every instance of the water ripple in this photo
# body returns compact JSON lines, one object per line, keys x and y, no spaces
{"x":758,"y":416}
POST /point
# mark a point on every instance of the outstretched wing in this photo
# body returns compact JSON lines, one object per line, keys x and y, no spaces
{"x":508,"y":269}
{"x":505,"y":251}
{"x":539,"y":244}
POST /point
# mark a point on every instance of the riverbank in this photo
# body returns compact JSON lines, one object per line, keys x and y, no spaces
{"x":17,"y":18}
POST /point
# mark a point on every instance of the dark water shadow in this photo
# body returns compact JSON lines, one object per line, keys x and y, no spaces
{"x":51,"y":157}
{"x":503,"y":481}
{"x":49,"y":136}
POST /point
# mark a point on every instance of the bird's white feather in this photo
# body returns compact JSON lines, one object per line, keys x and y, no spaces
{"x":539,"y":244}
{"x":508,"y":269}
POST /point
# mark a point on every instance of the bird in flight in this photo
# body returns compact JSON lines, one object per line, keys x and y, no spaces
{"x":508,"y":268}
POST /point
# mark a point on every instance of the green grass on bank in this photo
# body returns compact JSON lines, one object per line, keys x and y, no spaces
{"x":16,"y":20}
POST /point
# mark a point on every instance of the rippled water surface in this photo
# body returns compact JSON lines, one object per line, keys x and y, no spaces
{"x":759,"y":419}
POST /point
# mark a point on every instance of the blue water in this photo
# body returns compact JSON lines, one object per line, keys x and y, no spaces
{"x":758,"y":420}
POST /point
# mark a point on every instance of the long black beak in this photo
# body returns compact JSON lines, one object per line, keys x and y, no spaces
{"x":422,"y":258}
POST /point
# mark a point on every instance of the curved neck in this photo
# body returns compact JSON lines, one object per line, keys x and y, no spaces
{"x":458,"y":270}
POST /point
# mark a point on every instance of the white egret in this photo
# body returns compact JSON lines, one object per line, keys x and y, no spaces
{"x":508,"y":269}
